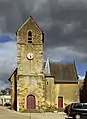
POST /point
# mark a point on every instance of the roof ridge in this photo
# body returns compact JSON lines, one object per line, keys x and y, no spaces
{"x":63,"y":62}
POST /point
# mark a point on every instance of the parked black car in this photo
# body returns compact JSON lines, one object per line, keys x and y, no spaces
{"x":77,"y":109}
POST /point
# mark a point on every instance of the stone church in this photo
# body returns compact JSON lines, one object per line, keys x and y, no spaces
{"x":36,"y":84}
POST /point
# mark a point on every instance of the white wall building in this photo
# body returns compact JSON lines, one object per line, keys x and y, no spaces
{"x":5,"y":99}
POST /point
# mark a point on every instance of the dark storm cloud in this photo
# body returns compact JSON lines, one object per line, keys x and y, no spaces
{"x":66,"y":20}
{"x":68,"y":27}
{"x":64,"y":23}
{"x":13,"y":14}
{"x":67,"y":15}
{"x":68,"y":24}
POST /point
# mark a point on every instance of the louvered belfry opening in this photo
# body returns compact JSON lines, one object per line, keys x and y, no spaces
{"x":29,"y":37}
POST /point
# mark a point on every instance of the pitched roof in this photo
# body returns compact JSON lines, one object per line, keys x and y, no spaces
{"x":15,"y":71}
{"x":64,"y":72}
{"x":30,"y":18}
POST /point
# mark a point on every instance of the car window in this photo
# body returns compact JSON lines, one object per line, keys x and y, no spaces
{"x":84,"y":106}
{"x":78,"y":105}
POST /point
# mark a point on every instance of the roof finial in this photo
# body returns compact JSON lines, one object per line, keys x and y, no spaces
{"x":47,"y":67}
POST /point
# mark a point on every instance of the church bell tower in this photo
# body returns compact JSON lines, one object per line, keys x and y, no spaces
{"x":30,"y":48}
{"x":29,"y":65}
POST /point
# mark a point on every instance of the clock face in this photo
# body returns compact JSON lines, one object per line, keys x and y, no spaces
{"x":30,"y":56}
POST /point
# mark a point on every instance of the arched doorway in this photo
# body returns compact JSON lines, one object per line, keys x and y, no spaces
{"x":31,"y":102}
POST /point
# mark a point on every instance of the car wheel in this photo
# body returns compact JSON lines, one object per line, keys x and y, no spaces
{"x":77,"y":116}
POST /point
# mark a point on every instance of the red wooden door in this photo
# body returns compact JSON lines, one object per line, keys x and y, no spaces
{"x":60,"y":102}
{"x":31,"y":103}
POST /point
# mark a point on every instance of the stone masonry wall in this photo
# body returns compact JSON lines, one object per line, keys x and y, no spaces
{"x":30,"y":85}
{"x":36,"y":47}
{"x":30,"y":72}
{"x":13,"y":80}
{"x":12,"y":92}
{"x":50,"y":91}
{"x":30,"y":77}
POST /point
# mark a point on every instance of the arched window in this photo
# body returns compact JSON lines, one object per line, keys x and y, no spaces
{"x":29,"y":37}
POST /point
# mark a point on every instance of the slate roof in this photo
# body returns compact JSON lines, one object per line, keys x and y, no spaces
{"x":64,"y":72}
{"x":15,"y":71}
